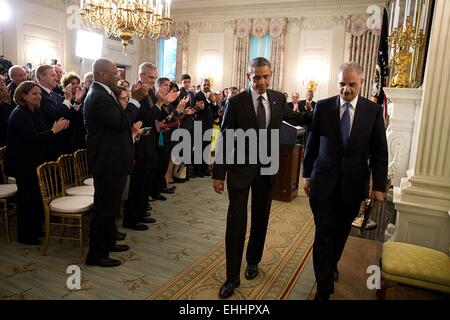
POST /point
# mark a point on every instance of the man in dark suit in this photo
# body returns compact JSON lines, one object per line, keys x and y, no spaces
{"x":204,"y":115}
{"x":188,"y":121}
{"x":17,"y":74}
{"x":255,"y":109}
{"x":54,"y":107}
{"x":347,"y":137}
{"x":110,"y":159}
{"x":145,"y":156}
{"x":308,"y":105}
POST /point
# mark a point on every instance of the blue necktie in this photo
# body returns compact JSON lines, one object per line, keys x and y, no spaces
{"x":345,"y":124}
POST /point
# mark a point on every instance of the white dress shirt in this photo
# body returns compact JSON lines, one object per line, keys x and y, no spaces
{"x":351,"y":110}
{"x":255,"y":97}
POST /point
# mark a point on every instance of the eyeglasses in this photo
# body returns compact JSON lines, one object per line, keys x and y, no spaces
{"x":116,"y":73}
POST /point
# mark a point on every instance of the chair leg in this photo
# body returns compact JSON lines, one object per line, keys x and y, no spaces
{"x":80,"y":225}
{"x":47,"y":236}
{"x":4,"y":209}
{"x":8,"y":237}
{"x":63,"y":229}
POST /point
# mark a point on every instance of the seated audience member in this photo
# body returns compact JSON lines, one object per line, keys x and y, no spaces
{"x":295,"y":104}
{"x":17,"y":75}
{"x":308,"y":105}
{"x":28,"y":137}
{"x":5,"y":110}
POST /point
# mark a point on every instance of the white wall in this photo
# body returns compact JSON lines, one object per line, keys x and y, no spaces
{"x":37,"y":32}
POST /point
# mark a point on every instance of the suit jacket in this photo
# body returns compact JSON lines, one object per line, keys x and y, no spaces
{"x":303,"y":105}
{"x":28,"y":139}
{"x":109,"y":140}
{"x":188,"y":121}
{"x":328,"y":163}
{"x":12,"y":89}
{"x":146,"y":147}
{"x":240,"y":114}
{"x":206,"y":116}
{"x":5,"y":112}
{"x":53,"y":109}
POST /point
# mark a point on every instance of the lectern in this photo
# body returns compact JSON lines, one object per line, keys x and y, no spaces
{"x":291,"y":154}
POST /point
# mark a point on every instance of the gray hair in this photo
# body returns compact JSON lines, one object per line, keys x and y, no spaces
{"x":258,"y":63}
{"x":351,"y":66}
{"x":14,"y":68}
{"x":146,"y":65}
{"x":87,"y":75}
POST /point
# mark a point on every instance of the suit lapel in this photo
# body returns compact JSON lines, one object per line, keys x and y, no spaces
{"x":251,"y":109}
{"x":274,"y":108}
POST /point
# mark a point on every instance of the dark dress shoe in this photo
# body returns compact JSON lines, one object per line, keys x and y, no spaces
{"x":251,"y":272}
{"x":159,"y":197}
{"x":137,"y":226}
{"x":146,"y":220}
{"x":104,"y":263}
{"x":227,"y":290}
{"x":120,"y":236}
{"x":335,"y":274}
{"x":322,"y":296}
{"x":168,"y":191}
{"x":120,"y":248}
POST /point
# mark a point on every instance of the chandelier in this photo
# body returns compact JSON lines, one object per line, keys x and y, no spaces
{"x":126,"y":19}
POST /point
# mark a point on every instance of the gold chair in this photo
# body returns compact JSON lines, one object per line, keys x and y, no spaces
{"x":56,"y":204}
{"x":7,"y":191}
{"x":73,"y":186}
{"x":81,"y":166}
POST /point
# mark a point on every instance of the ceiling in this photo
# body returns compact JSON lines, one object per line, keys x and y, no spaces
{"x":201,"y":10}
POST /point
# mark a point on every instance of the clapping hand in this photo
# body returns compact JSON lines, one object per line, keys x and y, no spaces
{"x":68,"y":93}
{"x":182,"y":105}
{"x":171,"y":97}
{"x":80,"y":94}
{"x":139,"y":91}
{"x":137,"y":130}
{"x":60,"y":125}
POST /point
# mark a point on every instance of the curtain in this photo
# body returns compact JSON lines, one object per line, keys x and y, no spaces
{"x":241,"y":53}
{"x":362,"y":47}
{"x":277,"y":32}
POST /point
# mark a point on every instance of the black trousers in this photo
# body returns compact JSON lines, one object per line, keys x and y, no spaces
{"x":30,"y":212}
{"x":333,"y":218}
{"x":138,"y":195}
{"x":107,"y":198}
{"x":237,"y":224}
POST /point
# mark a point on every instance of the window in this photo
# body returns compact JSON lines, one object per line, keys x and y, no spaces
{"x":167,"y":58}
{"x":89,"y":45}
{"x":260,"y":47}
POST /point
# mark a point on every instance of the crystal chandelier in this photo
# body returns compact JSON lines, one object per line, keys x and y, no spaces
{"x":128,"y":18}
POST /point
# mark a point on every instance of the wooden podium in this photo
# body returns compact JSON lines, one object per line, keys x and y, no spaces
{"x":287,"y":186}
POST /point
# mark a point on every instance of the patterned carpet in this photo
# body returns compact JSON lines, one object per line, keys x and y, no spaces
{"x":187,"y":239}
{"x":288,"y":247}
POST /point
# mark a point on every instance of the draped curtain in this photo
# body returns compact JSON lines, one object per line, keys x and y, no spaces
{"x":259,"y":28}
{"x":277,"y":32}
{"x":362,"y":47}
{"x":241,"y":53}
